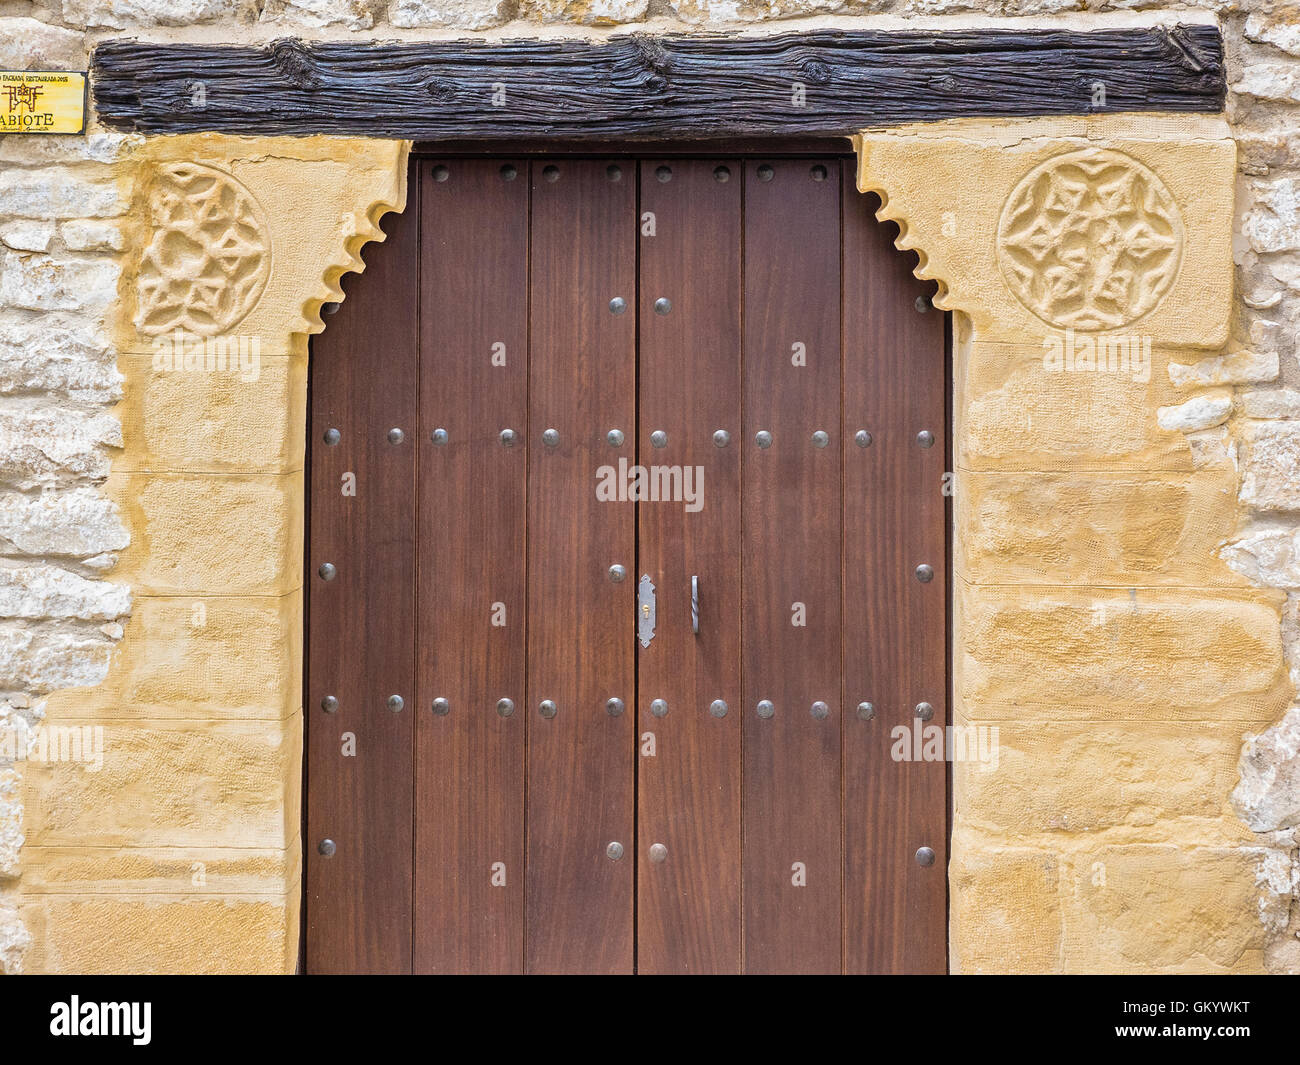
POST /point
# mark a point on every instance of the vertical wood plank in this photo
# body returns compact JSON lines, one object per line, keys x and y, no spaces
{"x":469,"y":784}
{"x":580,"y":763}
{"x":362,"y":623}
{"x":688,"y":905}
{"x":791,"y":555}
{"x":895,"y":627}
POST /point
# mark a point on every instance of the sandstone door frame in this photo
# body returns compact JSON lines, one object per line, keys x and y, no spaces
{"x":189,"y":509}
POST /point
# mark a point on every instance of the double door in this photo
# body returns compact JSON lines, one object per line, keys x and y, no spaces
{"x":626,"y":560}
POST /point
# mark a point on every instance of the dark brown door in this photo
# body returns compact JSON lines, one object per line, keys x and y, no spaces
{"x":626,"y":565}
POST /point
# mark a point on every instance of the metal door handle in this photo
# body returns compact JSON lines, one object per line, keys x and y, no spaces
{"x":695,"y":604}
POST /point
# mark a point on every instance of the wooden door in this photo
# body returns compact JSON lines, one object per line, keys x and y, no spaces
{"x":625,"y":606}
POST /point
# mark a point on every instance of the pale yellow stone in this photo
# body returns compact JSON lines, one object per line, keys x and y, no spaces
{"x":1104,"y":529}
{"x":1004,"y":912}
{"x":172,"y":784}
{"x":159,"y":870}
{"x":1071,"y":777}
{"x":210,"y":533}
{"x":245,"y":419}
{"x":152,"y":934}
{"x":314,"y":202}
{"x":1143,"y":653}
{"x":979,"y":166}
{"x":211,"y":658}
{"x":1164,"y":908}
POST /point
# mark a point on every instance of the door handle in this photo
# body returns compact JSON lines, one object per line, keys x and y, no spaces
{"x":695,"y":604}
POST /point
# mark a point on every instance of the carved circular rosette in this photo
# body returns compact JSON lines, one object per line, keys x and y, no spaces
{"x":1090,"y":240}
{"x":210,"y":255}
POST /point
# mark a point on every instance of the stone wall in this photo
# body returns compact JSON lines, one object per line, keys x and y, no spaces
{"x":150,"y":555}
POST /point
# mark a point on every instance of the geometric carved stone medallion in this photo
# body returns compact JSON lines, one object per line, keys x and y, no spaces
{"x":209,"y":258}
{"x":1090,"y":240}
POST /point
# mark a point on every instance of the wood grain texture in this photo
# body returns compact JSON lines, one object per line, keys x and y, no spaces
{"x":790,"y":559}
{"x":469,"y":782}
{"x":581,"y":625}
{"x":362,"y":623}
{"x":688,"y":906}
{"x":653,"y":86}
{"x":895,"y":627}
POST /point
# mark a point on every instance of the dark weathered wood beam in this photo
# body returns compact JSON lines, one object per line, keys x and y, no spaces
{"x":642,"y":87}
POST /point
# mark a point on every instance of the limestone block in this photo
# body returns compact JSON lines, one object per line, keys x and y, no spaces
{"x":1004,"y":912}
{"x":214,"y":533}
{"x":204,"y":658}
{"x":152,"y":934}
{"x":1070,"y":777}
{"x":247,"y":417}
{"x":318,"y":14}
{"x":1141,"y":653}
{"x":58,"y":192}
{"x":168,"y":784}
{"x":1203,"y":411}
{"x":1095,"y":528}
{"x":1268,"y":793}
{"x":462,"y":14}
{"x":1014,"y":412}
{"x":1271,"y":468}
{"x":57,"y":353}
{"x":1138,"y":908}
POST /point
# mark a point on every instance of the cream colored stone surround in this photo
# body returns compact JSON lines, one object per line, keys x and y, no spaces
{"x":1094,"y":623}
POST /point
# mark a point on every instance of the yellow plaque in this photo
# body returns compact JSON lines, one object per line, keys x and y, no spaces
{"x":42,"y":101}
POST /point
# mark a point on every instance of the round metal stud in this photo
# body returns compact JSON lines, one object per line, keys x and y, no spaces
{"x":396,"y":436}
{"x":721,"y":438}
{"x":548,"y":709}
{"x":664,"y":174}
{"x":332,"y":436}
{"x":820,"y":438}
{"x":330,"y":308}
{"x":924,"y":856}
{"x":505,"y":707}
{"x":658,"y":853}
{"x":617,"y":573}
{"x":659,"y":708}
{"x":509,"y":173}
{"x":763,"y":438}
{"x":923,"y":304}
{"x":551,"y":438}
{"x":326,"y":848}
{"x":659,"y":438}
{"x":329,"y":704}
{"x":765,"y":709}
{"x":717,"y":708}
{"x":507,"y":438}
{"x":617,"y":305}
{"x":551,"y":173}
{"x":613,"y":707}
{"x":924,"y":573}
{"x":614,"y":851}
{"x":663,"y":305}
{"x":820,"y":711}
{"x":862,"y":438}
{"x":766,"y":173}
{"x":439,"y":437}
{"x":441,"y":173}
{"x":615,"y":437}
{"x":441,"y":707}
{"x":924,"y":711}
{"x":395,"y":703}
{"x":925,"y":438}
{"x":818,"y":172}
{"x":866,"y":711}
{"x":721,"y":173}
{"x":327,"y":571}
{"x":614,"y":172}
